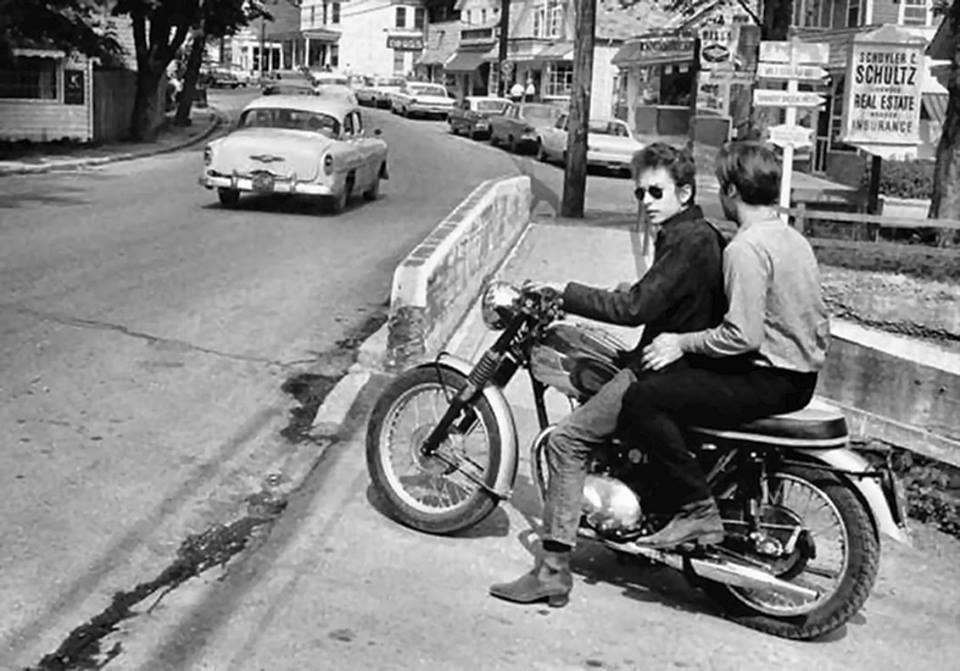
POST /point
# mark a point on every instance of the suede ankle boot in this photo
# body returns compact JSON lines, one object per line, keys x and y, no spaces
{"x":550,"y":580}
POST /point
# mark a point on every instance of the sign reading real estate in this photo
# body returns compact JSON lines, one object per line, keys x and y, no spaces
{"x":883,"y":89}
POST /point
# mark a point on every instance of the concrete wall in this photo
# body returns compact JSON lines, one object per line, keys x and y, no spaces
{"x":891,"y":387}
{"x":435,"y":285}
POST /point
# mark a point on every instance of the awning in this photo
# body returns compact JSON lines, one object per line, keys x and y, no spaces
{"x":936,"y":106}
{"x":555,"y":52}
{"x":465,"y":61}
{"x":39,"y":53}
{"x":321,"y":35}
{"x":660,"y":50}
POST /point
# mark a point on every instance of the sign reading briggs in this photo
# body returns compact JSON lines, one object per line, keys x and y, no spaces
{"x":401,"y":43}
{"x":883,"y":89}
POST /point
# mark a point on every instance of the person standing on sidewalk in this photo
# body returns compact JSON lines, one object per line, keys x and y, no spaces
{"x":761,"y":360}
{"x":681,"y":292}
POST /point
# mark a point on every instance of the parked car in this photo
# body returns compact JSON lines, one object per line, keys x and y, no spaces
{"x":421,"y":99}
{"x":377,"y":90}
{"x":306,"y":145}
{"x":325,"y":78}
{"x":518,"y":126}
{"x":286,"y":82}
{"x":471,"y":115}
{"x":221,"y":76}
{"x":610,"y":144}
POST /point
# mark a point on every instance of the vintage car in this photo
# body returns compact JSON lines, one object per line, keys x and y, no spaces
{"x":286,"y":82}
{"x":320,"y":78}
{"x":519,"y":125}
{"x":377,"y":90}
{"x":610,"y":144}
{"x":471,"y":115}
{"x":307,"y":145}
{"x":421,"y":99}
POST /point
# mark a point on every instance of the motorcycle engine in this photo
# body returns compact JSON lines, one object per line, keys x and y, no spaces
{"x":609,"y":504}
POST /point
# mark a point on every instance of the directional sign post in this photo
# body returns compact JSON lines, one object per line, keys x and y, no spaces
{"x":792,"y":61}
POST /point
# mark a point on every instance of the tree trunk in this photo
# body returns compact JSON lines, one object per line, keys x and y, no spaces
{"x":945,"y":201}
{"x":190,"y":77}
{"x":575,"y":170}
{"x":142,"y":126}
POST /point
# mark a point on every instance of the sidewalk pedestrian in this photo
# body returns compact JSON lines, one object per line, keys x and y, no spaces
{"x":681,"y":292}
{"x":761,"y":360}
{"x":516,"y":92}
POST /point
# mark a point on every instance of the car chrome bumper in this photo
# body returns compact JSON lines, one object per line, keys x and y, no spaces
{"x":279,"y":185}
{"x":605,"y":160}
{"x":428,"y":109}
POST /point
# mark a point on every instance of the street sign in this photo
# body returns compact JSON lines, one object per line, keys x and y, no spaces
{"x":787,"y":71}
{"x":774,"y":51}
{"x":774,"y":98}
{"x":795,"y":136}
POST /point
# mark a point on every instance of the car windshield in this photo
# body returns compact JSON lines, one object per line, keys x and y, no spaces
{"x":491,"y":105}
{"x":428,"y":91}
{"x":598,"y":127}
{"x":546,"y":113}
{"x":293,"y":119}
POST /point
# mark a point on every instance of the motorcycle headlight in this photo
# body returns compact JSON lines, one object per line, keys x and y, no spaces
{"x":497,"y":305}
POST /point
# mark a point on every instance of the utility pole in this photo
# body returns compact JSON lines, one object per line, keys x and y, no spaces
{"x":263,"y":45}
{"x":575,"y":170}
{"x":502,"y":54}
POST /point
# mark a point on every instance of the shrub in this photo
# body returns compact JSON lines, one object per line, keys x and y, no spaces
{"x":903,"y":179}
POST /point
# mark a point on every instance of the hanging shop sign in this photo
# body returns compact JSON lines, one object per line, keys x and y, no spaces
{"x":401,"y":43}
{"x":718,"y":44}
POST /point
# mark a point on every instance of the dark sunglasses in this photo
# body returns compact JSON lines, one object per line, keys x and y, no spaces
{"x":655,"y":191}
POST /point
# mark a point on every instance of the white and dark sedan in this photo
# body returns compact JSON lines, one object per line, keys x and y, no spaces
{"x":610,"y":144}
{"x":421,"y":99}
{"x":306,"y":145}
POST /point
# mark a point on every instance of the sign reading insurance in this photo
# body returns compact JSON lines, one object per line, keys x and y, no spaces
{"x":883,"y":89}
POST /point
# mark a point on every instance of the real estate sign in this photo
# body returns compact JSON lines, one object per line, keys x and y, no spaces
{"x":883,"y":89}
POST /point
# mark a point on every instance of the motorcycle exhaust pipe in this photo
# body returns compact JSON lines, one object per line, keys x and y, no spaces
{"x":715,"y":570}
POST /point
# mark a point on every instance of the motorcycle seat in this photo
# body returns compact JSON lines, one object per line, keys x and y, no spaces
{"x":818,"y":425}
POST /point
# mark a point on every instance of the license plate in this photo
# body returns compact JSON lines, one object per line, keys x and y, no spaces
{"x":263,"y":182}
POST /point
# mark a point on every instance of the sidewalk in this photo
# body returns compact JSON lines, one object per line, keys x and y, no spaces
{"x":45,"y":157}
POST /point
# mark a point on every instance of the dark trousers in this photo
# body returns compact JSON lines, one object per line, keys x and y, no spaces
{"x":713,"y":393}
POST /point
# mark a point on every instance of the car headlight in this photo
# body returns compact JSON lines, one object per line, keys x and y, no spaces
{"x":497,"y":305}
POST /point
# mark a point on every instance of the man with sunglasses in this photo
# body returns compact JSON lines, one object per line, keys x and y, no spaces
{"x":761,"y":360}
{"x":681,"y":292}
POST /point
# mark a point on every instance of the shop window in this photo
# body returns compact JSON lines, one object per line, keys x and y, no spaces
{"x":559,"y":80}
{"x":835,"y":110}
{"x":313,"y":15}
{"x":398,"y":62}
{"x":539,"y":18}
{"x":812,"y":13}
{"x":418,"y":18}
{"x":335,"y":18}
{"x":31,"y":78}
{"x":915,"y":13}
{"x":401,"y":21}
{"x":554,"y":19}
{"x":483,"y":17}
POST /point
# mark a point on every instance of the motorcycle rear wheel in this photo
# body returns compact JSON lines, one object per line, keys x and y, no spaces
{"x":859,"y":555}
{"x":416,"y":499}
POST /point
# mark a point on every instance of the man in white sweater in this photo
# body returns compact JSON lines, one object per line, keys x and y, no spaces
{"x":761,"y":360}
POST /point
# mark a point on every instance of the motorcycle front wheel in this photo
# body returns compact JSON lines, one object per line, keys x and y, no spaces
{"x":837,"y":555}
{"x":442,"y":493}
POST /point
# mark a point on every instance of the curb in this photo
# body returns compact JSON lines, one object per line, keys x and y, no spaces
{"x":219,"y":118}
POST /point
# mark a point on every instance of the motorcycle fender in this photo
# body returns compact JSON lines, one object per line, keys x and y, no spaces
{"x":507,"y":473}
{"x":868,"y":489}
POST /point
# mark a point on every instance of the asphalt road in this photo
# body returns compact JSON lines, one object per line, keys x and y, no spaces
{"x":146,"y":338}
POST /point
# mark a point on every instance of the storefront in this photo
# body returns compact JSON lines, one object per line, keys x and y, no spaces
{"x":471,"y":71}
{"x":656,"y":82}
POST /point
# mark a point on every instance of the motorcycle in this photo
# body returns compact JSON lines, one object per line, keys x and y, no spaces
{"x":802,"y":513}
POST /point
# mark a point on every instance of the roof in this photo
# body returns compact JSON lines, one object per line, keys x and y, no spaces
{"x":334,"y":106}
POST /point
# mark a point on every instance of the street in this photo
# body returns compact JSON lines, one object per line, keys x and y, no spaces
{"x":147,"y":338}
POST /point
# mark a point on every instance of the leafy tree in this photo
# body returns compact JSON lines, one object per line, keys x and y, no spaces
{"x":217,"y":19}
{"x":945,"y":203}
{"x":70,"y":25}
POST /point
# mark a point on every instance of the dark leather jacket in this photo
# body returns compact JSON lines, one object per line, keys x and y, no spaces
{"x":681,"y":292}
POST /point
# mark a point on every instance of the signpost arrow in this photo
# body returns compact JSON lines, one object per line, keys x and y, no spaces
{"x":788,"y":71}
{"x":774,"y":98}
{"x":795,"y":136}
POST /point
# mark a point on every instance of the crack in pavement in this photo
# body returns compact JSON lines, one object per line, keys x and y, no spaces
{"x":80,"y":322}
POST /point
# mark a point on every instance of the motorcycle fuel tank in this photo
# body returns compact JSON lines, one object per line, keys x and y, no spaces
{"x":575,"y":359}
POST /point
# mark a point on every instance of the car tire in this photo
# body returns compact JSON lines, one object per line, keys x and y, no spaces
{"x":512,"y":144}
{"x":228,"y":197}
{"x":374,"y":191}
{"x":338,"y":203}
{"x":542,"y":155}
{"x":493,"y":139}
